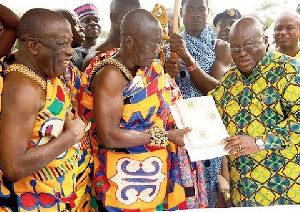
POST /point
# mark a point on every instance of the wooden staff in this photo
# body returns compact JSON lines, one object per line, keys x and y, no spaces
{"x":175,"y":24}
{"x":175,"y":16}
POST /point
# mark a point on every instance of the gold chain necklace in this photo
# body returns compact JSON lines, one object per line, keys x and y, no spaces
{"x":110,"y":61}
{"x":27,"y":72}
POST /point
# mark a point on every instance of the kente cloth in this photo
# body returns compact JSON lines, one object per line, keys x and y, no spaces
{"x":141,"y":178}
{"x":72,"y":80}
{"x":52,"y":187}
{"x":96,"y":60}
{"x":265,"y":105}
{"x":192,"y":175}
{"x":200,"y":173}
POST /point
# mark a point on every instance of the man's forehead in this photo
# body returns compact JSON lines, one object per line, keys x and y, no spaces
{"x":290,"y":19}
{"x":56,"y":28}
{"x":129,"y":7}
{"x":242,"y":36}
{"x":189,"y":3}
{"x":89,"y":17}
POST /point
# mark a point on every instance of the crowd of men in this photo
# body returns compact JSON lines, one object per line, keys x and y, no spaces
{"x":88,"y":127}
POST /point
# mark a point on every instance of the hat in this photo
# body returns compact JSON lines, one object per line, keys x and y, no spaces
{"x":86,"y":9}
{"x":228,"y":13}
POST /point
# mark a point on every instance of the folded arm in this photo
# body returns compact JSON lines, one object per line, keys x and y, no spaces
{"x":22,"y":99}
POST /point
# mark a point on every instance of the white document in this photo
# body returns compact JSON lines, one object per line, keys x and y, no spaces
{"x":201,"y":114}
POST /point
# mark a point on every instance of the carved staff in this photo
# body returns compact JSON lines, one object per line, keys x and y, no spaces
{"x":159,"y":11}
{"x":175,"y":24}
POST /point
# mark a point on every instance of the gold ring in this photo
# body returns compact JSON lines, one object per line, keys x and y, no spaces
{"x":226,"y":195}
{"x":240,"y":147}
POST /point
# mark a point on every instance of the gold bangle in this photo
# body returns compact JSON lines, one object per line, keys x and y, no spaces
{"x":158,"y":137}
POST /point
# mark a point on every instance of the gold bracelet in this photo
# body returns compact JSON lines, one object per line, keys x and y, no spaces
{"x":158,"y":137}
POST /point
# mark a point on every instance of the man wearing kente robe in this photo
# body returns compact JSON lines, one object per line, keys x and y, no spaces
{"x":126,"y":100}
{"x":38,"y":157}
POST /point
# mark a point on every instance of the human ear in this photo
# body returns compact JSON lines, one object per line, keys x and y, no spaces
{"x":113,"y":18}
{"x":128,"y":41}
{"x":32,"y":45}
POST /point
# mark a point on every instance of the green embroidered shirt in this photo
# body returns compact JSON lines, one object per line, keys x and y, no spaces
{"x":266,"y":105}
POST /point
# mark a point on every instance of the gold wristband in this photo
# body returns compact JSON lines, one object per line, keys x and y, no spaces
{"x":158,"y":137}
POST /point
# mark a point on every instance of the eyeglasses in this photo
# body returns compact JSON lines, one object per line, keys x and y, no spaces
{"x":247,"y":47}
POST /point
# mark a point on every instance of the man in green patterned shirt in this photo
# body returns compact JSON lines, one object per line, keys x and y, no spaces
{"x":259,"y":102}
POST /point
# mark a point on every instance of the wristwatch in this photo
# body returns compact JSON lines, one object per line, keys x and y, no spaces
{"x":260,"y":143}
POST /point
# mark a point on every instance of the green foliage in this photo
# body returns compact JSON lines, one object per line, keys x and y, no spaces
{"x":267,"y":5}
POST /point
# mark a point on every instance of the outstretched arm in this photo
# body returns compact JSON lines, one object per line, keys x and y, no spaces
{"x":9,"y":21}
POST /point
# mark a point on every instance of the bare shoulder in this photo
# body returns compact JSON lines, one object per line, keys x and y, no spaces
{"x":109,"y":77}
{"x":22,"y":94}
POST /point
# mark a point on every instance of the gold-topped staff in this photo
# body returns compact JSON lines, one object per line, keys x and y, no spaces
{"x":160,"y":12}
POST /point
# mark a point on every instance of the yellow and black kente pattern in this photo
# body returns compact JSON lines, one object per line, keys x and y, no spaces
{"x":266,"y":105}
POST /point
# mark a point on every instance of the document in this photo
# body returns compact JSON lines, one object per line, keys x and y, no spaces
{"x":201,"y":114}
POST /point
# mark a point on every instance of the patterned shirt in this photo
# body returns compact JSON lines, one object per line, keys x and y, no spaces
{"x":265,"y":105}
{"x":202,"y":50}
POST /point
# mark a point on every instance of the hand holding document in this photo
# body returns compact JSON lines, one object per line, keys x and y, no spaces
{"x":201,"y":114}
